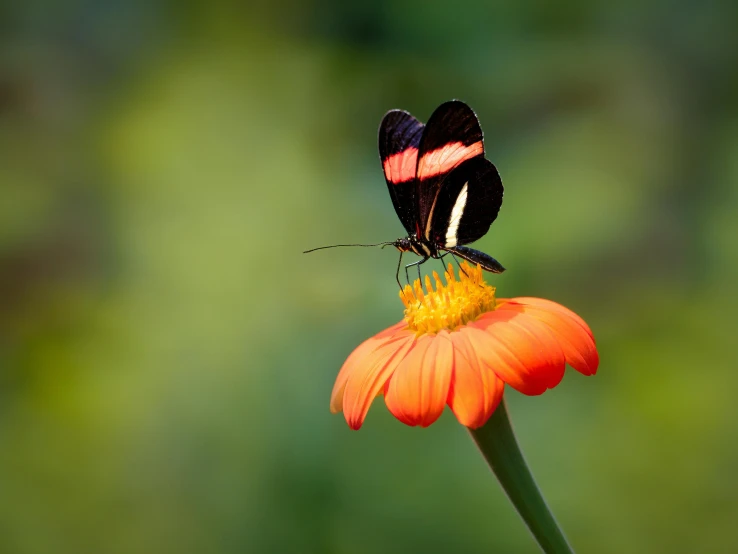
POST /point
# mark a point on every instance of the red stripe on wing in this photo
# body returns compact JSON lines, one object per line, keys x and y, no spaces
{"x":444,"y":159}
{"x":400,"y":167}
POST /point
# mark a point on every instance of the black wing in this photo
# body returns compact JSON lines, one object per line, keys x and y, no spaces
{"x":399,"y":138}
{"x":451,"y":137}
{"x":468,"y":201}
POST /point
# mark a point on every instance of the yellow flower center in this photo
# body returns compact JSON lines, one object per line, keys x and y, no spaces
{"x":449,"y":306}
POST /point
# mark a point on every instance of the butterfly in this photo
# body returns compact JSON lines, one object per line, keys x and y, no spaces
{"x":445,"y":192}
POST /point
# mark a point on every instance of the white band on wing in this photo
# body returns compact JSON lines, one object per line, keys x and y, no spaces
{"x":455,"y":219}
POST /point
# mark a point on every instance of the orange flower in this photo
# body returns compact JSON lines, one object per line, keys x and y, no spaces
{"x":459,"y":345}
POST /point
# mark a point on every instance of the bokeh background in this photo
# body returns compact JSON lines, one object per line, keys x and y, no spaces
{"x":167,"y":352}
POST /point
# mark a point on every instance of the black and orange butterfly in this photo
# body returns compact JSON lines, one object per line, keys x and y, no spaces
{"x":445,"y":192}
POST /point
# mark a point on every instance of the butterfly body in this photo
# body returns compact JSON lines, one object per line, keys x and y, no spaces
{"x":416,"y":246}
{"x":445,"y":192}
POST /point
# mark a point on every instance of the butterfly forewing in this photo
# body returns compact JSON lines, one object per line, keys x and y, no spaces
{"x":399,"y":140}
{"x":451,"y":137}
{"x":468,"y":201}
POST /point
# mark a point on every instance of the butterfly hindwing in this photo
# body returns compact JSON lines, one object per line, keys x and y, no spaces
{"x":467,"y":203}
{"x":399,"y":140}
{"x":451,"y":137}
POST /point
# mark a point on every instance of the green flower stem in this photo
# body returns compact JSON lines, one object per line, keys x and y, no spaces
{"x":497,"y":442}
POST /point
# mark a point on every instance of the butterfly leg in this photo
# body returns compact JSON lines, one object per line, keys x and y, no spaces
{"x":417,"y":264}
{"x":459,"y":264}
{"x":461,"y":269}
{"x":440,"y":258}
{"x":397,"y":273}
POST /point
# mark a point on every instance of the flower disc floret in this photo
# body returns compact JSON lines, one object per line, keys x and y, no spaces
{"x":448,"y":306}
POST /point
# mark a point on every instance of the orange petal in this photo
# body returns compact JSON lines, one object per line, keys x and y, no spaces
{"x":571,"y":331}
{"x":518,"y":349}
{"x":475,"y":391}
{"x":369,"y":375}
{"x":552,"y":306}
{"x":358,"y":356}
{"x":549,"y":363}
{"x":417,"y":391}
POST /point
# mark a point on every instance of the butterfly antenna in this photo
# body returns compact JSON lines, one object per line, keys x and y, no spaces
{"x":382,"y":244}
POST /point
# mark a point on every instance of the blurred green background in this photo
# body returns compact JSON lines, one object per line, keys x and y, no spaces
{"x":167,"y":353}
